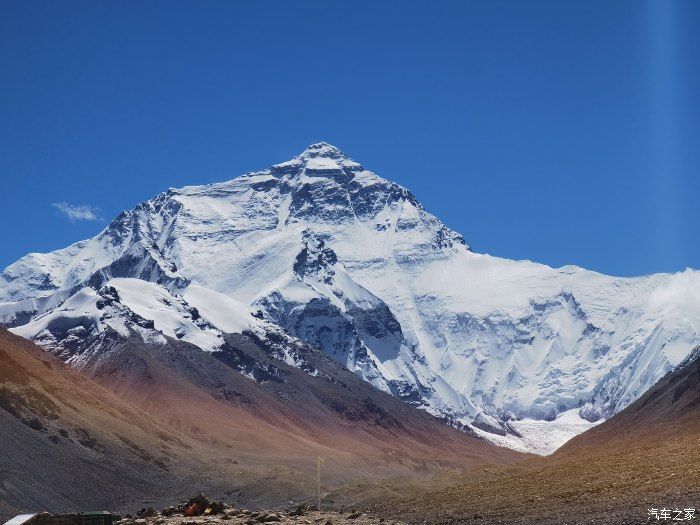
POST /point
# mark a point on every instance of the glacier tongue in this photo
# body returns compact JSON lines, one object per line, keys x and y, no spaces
{"x":352,"y":263}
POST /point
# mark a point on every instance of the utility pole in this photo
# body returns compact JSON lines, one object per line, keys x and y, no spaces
{"x":319,"y":462}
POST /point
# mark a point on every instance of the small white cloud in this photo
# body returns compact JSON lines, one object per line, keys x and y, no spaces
{"x":78,"y":212}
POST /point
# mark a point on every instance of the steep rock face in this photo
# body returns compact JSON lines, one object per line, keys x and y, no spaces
{"x":321,"y":304}
{"x":352,"y":263}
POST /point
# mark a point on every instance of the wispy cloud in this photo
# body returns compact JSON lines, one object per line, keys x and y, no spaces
{"x":78,"y":212}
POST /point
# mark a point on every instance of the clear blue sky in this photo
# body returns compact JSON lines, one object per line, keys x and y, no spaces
{"x":562,"y":132}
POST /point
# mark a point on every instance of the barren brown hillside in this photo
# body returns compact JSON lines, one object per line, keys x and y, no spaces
{"x":149,"y":425}
{"x":290,"y":417}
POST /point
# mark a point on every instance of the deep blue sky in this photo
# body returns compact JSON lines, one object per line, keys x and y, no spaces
{"x":562,"y":132}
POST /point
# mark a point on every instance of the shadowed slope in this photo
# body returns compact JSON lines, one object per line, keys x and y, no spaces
{"x":67,"y":440}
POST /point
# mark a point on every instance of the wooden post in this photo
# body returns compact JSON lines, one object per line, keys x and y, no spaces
{"x":319,"y":463}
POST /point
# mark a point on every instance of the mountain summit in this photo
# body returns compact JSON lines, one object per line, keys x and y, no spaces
{"x":323,"y":149}
{"x":331,"y":254}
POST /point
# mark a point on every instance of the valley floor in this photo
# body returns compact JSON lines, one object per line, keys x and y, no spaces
{"x":596,"y":487}
{"x":587,"y":486}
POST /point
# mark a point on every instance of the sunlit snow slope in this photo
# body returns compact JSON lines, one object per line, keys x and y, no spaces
{"x":345,"y":260}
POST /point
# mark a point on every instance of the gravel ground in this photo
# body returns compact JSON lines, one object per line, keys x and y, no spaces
{"x":615,"y":488}
{"x":233,"y":516}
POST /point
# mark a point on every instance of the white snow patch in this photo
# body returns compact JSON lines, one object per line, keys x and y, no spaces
{"x":542,"y":437}
{"x":225,"y":313}
{"x":170,"y":315}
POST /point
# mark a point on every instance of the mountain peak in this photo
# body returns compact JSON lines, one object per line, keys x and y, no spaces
{"x":323,"y":149}
{"x":319,"y":159}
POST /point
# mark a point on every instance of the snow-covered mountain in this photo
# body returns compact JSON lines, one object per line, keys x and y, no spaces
{"x":338,"y":257}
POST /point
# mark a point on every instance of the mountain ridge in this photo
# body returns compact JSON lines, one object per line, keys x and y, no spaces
{"x":471,"y":338}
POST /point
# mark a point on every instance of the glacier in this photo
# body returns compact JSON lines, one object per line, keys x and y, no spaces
{"x":333,"y":255}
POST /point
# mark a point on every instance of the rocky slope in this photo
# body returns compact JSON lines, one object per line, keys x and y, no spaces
{"x":331,"y":254}
{"x":68,"y":441}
